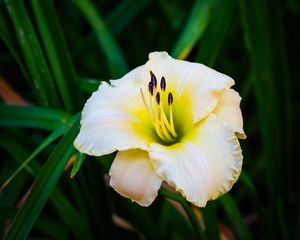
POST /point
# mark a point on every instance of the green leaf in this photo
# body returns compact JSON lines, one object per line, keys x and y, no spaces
{"x":43,"y":186}
{"x":77,"y":164}
{"x":111,"y":50}
{"x":218,"y":27}
{"x":170,"y":217}
{"x":51,"y":227}
{"x":126,"y":11}
{"x":89,"y":85}
{"x":247,"y":181}
{"x":174,"y":14}
{"x":33,"y":54}
{"x":235,"y":217}
{"x":70,"y":215}
{"x":9,"y":38}
{"x":211,"y":222}
{"x":58,"y":54}
{"x":30,"y":116}
{"x":72,"y":218}
{"x":189,"y":211}
{"x":193,"y":29}
{"x":52,"y":137}
{"x":265,"y":44}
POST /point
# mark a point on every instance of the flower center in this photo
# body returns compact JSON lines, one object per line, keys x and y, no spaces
{"x":159,"y":107}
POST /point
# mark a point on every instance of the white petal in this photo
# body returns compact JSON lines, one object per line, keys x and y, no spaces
{"x":204,"y":165}
{"x":192,"y":84}
{"x":134,"y":76}
{"x":115,"y":118}
{"x":228,"y":109}
{"x":132,"y":176}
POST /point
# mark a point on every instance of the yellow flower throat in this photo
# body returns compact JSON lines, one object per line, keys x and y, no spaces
{"x":157,"y":104}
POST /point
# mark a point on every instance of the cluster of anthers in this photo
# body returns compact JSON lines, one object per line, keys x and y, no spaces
{"x":159,"y":102}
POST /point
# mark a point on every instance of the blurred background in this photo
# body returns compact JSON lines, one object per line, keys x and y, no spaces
{"x":53,"y":55}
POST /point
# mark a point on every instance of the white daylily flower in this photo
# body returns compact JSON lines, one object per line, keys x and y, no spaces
{"x":169,"y":120}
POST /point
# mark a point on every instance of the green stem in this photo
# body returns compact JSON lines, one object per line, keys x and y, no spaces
{"x":187,"y":207}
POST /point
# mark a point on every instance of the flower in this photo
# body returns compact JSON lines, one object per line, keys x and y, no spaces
{"x":170,"y":120}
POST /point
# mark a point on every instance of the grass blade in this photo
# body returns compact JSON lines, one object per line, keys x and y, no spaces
{"x":211,"y":222}
{"x":193,"y":30}
{"x":58,"y":54}
{"x":264,"y":41}
{"x":43,"y":186}
{"x":126,"y":11}
{"x":9,"y":39}
{"x":258,"y":40}
{"x":45,"y":224}
{"x":33,"y":55}
{"x":18,"y":152}
{"x":171,"y":218}
{"x":52,"y":137}
{"x":77,"y":164}
{"x":211,"y":42}
{"x":70,"y":216}
{"x":30,"y":116}
{"x":50,"y":226}
{"x":189,"y":211}
{"x":112,"y":52}
{"x":235,"y":217}
{"x":89,"y":85}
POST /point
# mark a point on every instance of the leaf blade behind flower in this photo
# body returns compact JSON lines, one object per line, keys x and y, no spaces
{"x":212,"y":40}
{"x":58,"y":54}
{"x":31,"y":116}
{"x":35,"y":61}
{"x":48,"y":140}
{"x":233,"y":213}
{"x":126,"y":11}
{"x":70,"y":216}
{"x":43,"y":186}
{"x":111,"y":50}
{"x":193,"y":30}
{"x":77,"y":164}
{"x":263,"y":36}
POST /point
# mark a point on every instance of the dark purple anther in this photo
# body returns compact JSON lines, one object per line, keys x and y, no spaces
{"x":163,"y":84}
{"x":153,"y":79}
{"x":150,"y":88}
{"x":170,"y":98}
{"x":157,"y":97}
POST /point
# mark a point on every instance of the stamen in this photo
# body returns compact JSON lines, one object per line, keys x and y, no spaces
{"x":163,"y":84}
{"x":157,"y":97}
{"x":157,"y":127}
{"x":170,"y":98}
{"x":153,"y":79}
{"x":172,"y":127}
{"x":169,"y":125}
{"x":145,"y":103}
{"x":166,"y":132}
{"x":156,"y":107}
{"x":150,"y":88}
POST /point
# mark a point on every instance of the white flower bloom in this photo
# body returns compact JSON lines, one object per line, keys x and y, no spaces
{"x":169,"y":120}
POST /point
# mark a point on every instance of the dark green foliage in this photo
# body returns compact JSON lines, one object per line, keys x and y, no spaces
{"x":56,"y":53}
